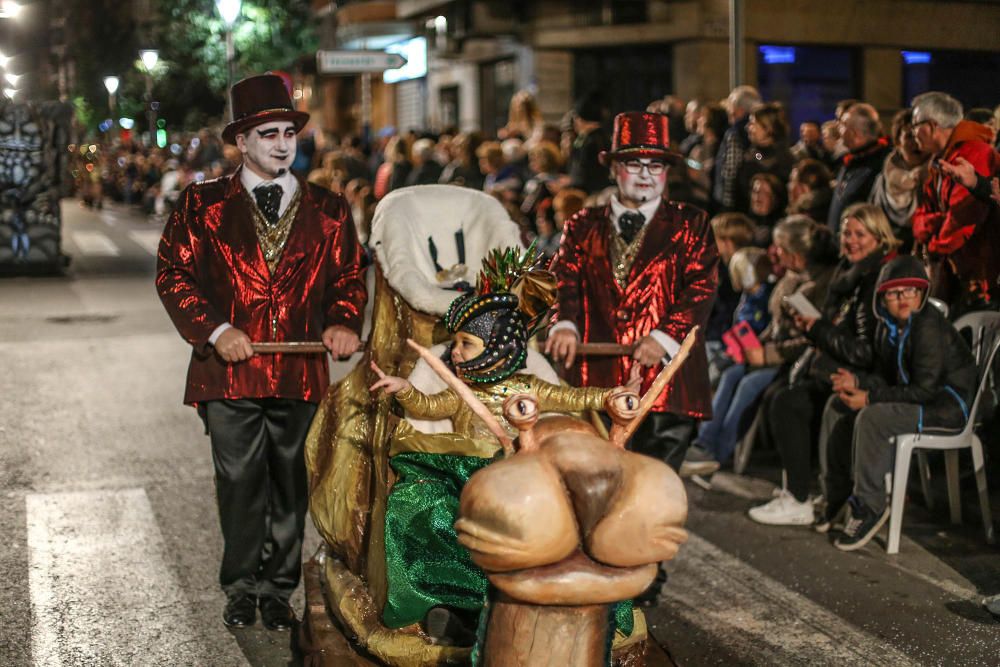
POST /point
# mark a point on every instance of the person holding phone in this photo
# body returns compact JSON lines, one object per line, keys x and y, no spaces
{"x":749,"y":271}
{"x":807,"y":253}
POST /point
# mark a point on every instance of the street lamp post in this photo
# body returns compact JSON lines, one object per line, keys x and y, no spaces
{"x":229,"y":10}
{"x":149,"y":59}
{"x":111,"y":83}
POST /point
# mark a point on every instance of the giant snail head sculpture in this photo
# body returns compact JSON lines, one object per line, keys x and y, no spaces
{"x":568,"y":519}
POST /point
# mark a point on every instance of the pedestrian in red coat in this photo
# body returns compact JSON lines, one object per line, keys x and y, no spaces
{"x":260,"y":256}
{"x":958,"y":231}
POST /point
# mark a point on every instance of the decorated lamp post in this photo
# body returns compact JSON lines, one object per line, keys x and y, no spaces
{"x":149,"y":59}
{"x":111,"y":83}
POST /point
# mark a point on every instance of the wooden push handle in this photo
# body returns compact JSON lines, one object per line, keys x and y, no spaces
{"x":309,"y":347}
{"x":603,"y":350}
{"x":316,"y":347}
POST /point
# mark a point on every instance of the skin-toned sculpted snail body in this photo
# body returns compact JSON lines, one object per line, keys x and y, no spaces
{"x":566,"y":525}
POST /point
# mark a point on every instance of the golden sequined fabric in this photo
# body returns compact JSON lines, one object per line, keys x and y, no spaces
{"x":273,"y":238}
{"x":623,"y":255}
{"x":447,"y":405}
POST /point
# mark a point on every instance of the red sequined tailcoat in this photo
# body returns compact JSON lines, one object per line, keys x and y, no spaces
{"x":670,"y":287}
{"x":211,"y":270}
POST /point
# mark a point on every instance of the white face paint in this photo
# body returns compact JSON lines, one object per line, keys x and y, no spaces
{"x":639,"y":188}
{"x":269,"y":148}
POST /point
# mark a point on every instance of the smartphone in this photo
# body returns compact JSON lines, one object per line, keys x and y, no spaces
{"x":746,"y":336}
{"x":694,"y":164}
{"x":802,"y":305}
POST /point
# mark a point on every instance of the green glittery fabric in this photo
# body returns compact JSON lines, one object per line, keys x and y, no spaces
{"x":425,"y":565}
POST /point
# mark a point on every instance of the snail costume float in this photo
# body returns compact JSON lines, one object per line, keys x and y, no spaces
{"x":426,"y":567}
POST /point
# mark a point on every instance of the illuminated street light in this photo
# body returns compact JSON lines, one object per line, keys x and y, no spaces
{"x":12,"y":79}
{"x":229,"y":10}
{"x":4,"y":60}
{"x":10,"y":92}
{"x":149,"y":58}
{"x":9,"y":9}
{"x":111,"y":83}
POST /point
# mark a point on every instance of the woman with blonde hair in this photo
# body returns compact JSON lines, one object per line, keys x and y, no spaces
{"x":543,"y":163}
{"x":523,"y":117}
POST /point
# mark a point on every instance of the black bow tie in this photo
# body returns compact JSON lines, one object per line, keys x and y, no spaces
{"x":630,"y":223}
{"x":268,"y":196}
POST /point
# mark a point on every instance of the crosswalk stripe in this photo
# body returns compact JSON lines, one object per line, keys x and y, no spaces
{"x":102,"y":592}
{"x":760,"y":619}
{"x":147,"y":239}
{"x":95,"y":244}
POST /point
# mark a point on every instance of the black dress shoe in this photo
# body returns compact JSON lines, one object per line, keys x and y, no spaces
{"x":241,"y":611}
{"x":276,"y":614}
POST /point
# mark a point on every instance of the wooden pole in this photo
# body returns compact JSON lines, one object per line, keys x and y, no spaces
{"x":316,"y":347}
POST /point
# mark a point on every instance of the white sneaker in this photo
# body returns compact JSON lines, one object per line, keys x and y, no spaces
{"x":784,"y":510}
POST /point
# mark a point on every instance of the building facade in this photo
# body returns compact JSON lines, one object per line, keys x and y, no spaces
{"x":806,"y":54}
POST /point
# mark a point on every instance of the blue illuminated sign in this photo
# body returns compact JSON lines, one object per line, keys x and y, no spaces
{"x":778,"y":55}
{"x":916,"y":57}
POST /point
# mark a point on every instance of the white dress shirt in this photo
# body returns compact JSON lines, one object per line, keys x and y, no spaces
{"x":289,"y":184}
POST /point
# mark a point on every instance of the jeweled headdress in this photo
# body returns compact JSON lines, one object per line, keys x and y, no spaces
{"x":512,"y":295}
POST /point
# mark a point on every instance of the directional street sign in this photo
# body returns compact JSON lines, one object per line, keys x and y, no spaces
{"x":356,"y":62}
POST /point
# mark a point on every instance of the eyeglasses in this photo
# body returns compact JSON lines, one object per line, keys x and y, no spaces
{"x":635,"y":166}
{"x":913,"y":128}
{"x":901,"y":293}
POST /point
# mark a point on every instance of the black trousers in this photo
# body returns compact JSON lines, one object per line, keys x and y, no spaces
{"x":664,"y":436}
{"x":792,"y":416}
{"x":262,"y":492}
{"x":836,"y":454}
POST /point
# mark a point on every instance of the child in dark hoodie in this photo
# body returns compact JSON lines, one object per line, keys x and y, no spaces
{"x":924,"y":379}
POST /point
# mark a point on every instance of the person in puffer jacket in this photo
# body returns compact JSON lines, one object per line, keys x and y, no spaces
{"x":923,"y":380}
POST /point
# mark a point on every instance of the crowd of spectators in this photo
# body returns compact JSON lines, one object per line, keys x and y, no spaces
{"x":821,"y":216}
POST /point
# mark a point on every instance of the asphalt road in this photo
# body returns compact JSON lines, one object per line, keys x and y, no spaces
{"x":111,"y":541}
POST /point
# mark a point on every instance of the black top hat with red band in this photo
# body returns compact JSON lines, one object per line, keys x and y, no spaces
{"x":640,"y":134}
{"x":260,"y":99}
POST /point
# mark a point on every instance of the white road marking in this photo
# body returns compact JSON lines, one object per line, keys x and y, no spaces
{"x":147,"y":239}
{"x":95,"y":244}
{"x":102,"y":592}
{"x":765,"y":622}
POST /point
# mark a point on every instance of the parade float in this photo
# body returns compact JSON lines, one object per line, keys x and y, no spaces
{"x":561,"y":528}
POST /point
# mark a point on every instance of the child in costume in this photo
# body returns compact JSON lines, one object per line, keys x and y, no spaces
{"x":430,"y":577}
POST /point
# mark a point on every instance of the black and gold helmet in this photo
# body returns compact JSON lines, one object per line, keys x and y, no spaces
{"x":511,"y":298}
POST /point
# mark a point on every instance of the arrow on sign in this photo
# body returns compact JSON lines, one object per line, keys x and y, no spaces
{"x":356,"y":62}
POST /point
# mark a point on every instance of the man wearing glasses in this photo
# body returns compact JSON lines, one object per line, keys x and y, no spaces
{"x":958,"y":232}
{"x":924,"y":377}
{"x":640,"y":271}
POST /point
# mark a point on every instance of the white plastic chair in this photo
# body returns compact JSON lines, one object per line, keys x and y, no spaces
{"x":908,"y":442}
{"x":978,"y":323}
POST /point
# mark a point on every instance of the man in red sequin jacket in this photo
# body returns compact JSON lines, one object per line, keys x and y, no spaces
{"x":260,"y":256}
{"x":960,"y":232}
{"x":641,"y":271}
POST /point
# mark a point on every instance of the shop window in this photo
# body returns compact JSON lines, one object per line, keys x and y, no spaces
{"x":970,"y":76}
{"x":808,"y":80}
{"x":628,"y":78}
